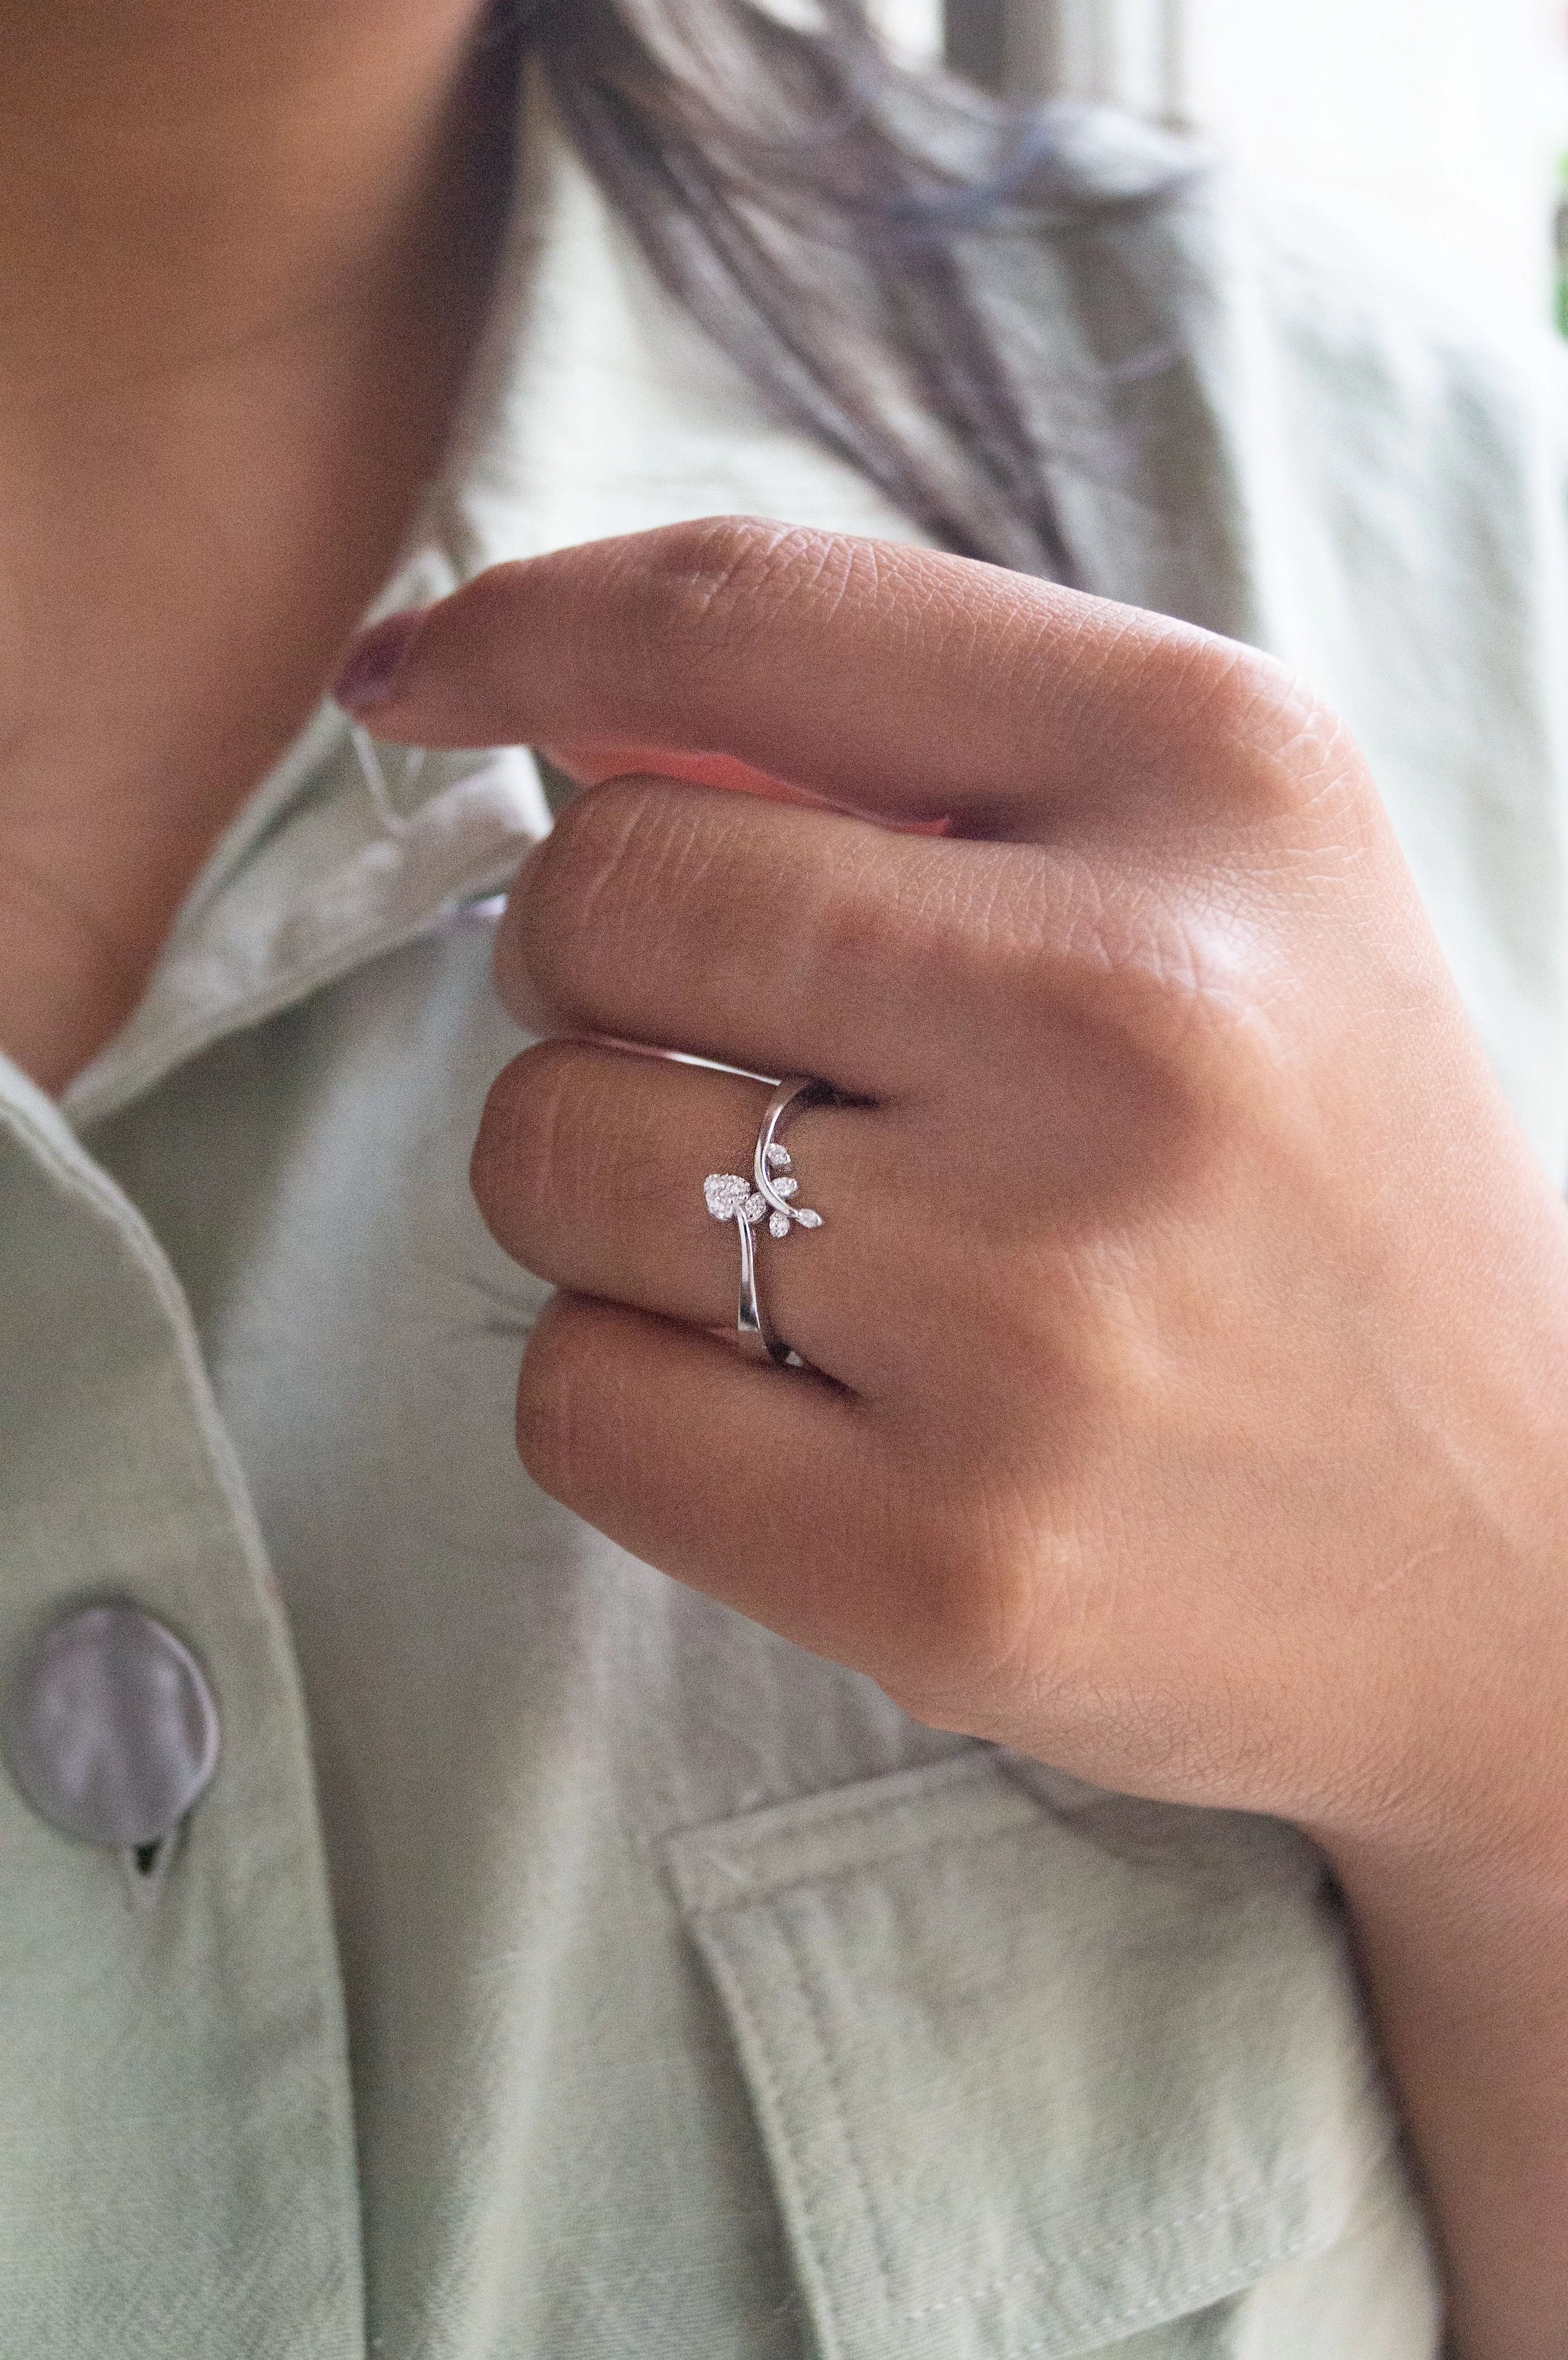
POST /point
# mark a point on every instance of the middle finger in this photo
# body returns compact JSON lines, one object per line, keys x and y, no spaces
{"x":773,"y":937}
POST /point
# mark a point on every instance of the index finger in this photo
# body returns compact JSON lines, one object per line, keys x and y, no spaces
{"x":889,"y":679}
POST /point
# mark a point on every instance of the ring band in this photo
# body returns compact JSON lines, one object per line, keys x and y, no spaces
{"x":769,"y":1195}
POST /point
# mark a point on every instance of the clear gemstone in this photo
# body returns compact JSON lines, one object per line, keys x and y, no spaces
{"x":785,"y":1188}
{"x":754,"y":1208}
{"x":726,"y":1193}
{"x":778,"y":1158}
{"x":809,"y":1220}
{"x":778,"y":1223}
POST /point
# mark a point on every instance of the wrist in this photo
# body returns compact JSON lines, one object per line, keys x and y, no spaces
{"x":1458,"y":1653}
{"x":1467,"y":1792}
{"x":1463,"y":1959}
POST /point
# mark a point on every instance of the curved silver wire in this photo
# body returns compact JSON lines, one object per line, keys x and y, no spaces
{"x":771,"y":1196}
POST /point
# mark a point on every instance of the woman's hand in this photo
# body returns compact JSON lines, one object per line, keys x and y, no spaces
{"x":1192,"y":1319}
{"x":1192,"y":1313}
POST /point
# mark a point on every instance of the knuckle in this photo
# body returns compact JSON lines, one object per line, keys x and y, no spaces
{"x":921,"y":928}
{"x":1226,"y":684}
{"x":1154,"y":973}
{"x":526,"y":1161}
{"x":595,"y":835}
{"x":497,"y":1161}
{"x":971,"y":1646}
{"x":485,"y":614}
{"x":707,"y":587}
{"x":856,"y":929}
{"x":554,"y":1438}
{"x":580,"y":1428}
{"x":581,"y":888}
{"x":1265,"y":742}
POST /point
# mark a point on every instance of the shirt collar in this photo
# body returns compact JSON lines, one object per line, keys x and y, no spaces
{"x":593,"y":406}
{"x":317,"y":874}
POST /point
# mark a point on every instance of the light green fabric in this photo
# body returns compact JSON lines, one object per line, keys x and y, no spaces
{"x":698,"y":2002}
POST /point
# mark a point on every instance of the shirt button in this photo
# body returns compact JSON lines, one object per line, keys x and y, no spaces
{"x":111,"y":1731}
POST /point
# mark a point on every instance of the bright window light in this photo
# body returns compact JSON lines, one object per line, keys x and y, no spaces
{"x":1439,"y":124}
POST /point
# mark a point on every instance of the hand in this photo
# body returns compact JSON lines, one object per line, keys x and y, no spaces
{"x":1188,"y":1310}
{"x":1186,"y":1329}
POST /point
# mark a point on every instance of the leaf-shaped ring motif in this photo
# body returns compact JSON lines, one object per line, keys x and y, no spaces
{"x":770,"y":1164}
{"x":770,"y":1191}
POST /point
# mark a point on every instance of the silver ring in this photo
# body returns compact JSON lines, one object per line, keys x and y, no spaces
{"x":769,"y":1193}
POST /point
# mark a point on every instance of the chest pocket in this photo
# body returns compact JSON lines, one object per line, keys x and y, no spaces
{"x":1040,"y":2070}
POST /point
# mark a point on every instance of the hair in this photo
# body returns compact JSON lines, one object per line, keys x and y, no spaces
{"x":783,"y":182}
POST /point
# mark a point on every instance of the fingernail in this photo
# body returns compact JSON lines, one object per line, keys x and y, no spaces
{"x":374,"y":661}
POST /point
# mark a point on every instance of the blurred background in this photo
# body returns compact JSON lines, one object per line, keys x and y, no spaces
{"x":1439,"y":126}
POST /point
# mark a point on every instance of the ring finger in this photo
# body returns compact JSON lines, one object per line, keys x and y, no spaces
{"x":589,"y":1170}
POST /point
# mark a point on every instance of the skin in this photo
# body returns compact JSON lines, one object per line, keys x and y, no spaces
{"x":243,"y":252}
{"x":1186,"y":1326}
{"x":1188,"y":1331}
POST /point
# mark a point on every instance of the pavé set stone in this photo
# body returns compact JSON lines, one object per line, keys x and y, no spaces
{"x":768,"y":1195}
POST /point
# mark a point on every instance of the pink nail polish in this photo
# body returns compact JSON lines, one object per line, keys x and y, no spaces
{"x":374,"y":661}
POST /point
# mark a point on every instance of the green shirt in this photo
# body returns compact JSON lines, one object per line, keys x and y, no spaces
{"x":558,"y":1966}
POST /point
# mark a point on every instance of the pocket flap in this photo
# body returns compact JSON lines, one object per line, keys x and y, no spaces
{"x":1036,"y":2068}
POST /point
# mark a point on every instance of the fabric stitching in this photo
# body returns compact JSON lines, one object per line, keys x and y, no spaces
{"x":1109,"y":2244}
{"x":953,"y":1769}
{"x":747,"y":2018}
{"x":1156,"y":2228}
{"x":970,"y":1766}
{"x":836,"y":2093}
{"x":850,"y":1806}
{"x":773,"y":2092}
{"x":1218,"y":2283}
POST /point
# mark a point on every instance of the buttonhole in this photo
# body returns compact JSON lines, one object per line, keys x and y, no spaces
{"x":145,"y":1868}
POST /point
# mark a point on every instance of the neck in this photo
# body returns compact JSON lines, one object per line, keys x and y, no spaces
{"x":245,"y":245}
{"x":183,"y":174}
